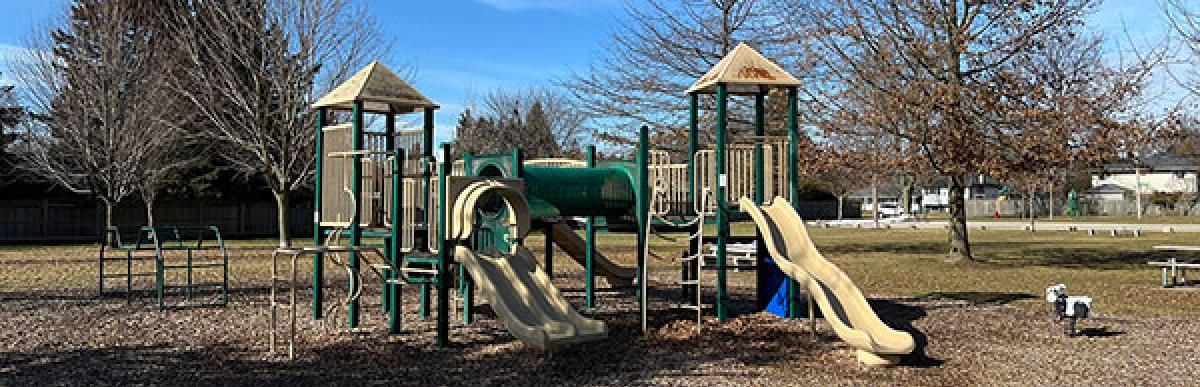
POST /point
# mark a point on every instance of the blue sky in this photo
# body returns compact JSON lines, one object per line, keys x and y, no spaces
{"x":464,"y":48}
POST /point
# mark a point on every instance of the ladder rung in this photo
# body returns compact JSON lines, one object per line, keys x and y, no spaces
{"x":694,"y":307}
{"x":421,"y":271}
{"x":381,"y":266}
{"x":395,"y":281}
{"x":691,"y":282}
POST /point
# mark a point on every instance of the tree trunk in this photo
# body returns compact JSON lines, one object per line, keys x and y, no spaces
{"x":875,"y":200}
{"x":906,"y":195}
{"x":959,"y":244}
{"x":108,"y":219}
{"x":281,"y":208}
{"x":1031,"y":210}
{"x":108,"y":214}
{"x":841,"y":199}
{"x":149,"y":201}
{"x":1137,"y":190}
{"x":1051,"y":202}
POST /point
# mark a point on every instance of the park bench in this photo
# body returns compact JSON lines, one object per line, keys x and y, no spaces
{"x":1176,"y":269}
{"x":742,"y":255}
{"x":159,"y":243}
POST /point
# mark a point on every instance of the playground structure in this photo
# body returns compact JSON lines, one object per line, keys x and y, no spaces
{"x":162,"y":242}
{"x":383,"y":194}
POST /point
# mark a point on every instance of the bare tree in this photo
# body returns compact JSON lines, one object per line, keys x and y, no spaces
{"x":664,"y":48}
{"x":96,"y":87}
{"x":542,"y":121}
{"x":967,"y":70}
{"x":252,"y":70}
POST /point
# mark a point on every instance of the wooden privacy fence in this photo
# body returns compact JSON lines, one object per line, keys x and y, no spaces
{"x":64,"y":220}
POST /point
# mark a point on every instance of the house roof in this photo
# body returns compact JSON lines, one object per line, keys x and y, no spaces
{"x":744,"y":71}
{"x":1162,"y":161}
{"x":380,"y":90}
{"x":1107,"y":189}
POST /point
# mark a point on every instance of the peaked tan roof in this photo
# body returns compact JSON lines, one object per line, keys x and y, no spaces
{"x":381,"y":91}
{"x":744,"y":71}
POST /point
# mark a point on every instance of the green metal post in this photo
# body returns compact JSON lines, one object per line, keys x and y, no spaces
{"x":518,"y":163}
{"x":468,"y":291}
{"x":643,"y":217}
{"x":793,"y":187}
{"x":760,"y":129}
{"x":549,"y":255}
{"x":356,"y":217}
{"x":722,"y":217}
{"x":692,"y":268}
{"x":318,"y":261}
{"x":423,"y":311}
{"x":427,"y":171}
{"x":396,"y":317}
{"x":389,"y":143}
{"x":443,"y":271}
{"x":590,"y":254}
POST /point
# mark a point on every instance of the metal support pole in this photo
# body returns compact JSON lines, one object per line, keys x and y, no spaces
{"x":793,"y":187}
{"x":549,"y":256}
{"x":468,"y":291}
{"x":691,"y":268}
{"x":389,"y":143}
{"x":356,"y":217}
{"x":397,"y":258}
{"x":318,"y":263}
{"x":590,"y":253}
{"x":443,"y":271}
{"x":762,"y":294}
{"x":722,"y":216}
{"x":643,"y":217}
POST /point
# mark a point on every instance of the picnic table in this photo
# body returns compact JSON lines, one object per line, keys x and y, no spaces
{"x":1177,"y":268}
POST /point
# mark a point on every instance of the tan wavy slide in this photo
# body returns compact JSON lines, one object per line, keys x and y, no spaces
{"x":842,"y":303}
{"x":576,"y":247}
{"x":518,"y":290}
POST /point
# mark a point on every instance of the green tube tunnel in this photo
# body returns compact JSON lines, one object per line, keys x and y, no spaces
{"x":552,"y":191}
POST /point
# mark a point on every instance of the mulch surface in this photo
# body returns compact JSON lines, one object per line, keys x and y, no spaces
{"x":56,"y":337}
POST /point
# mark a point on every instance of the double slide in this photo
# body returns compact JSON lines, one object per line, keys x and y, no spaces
{"x":519,"y":291}
{"x":842,"y":303}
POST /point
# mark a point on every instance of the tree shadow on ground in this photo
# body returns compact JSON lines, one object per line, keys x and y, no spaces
{"x":1085,"y":258}
{"x":977,"y":298}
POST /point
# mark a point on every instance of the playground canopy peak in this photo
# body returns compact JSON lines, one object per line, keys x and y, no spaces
{"x":380,"y":90}
{"x":744,"y":71}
